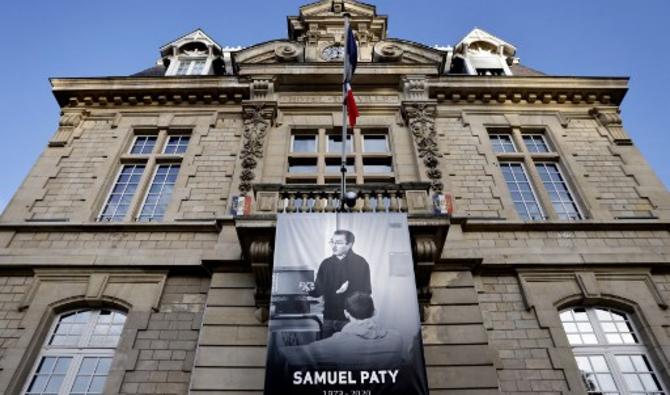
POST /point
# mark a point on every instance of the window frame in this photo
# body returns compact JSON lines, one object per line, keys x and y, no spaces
{"x":567,"y":186}
{"x":167,"y":142}
{"x":150,"y":162}
{"x":324,"y":156}
{"x":530,"y":160}
{"x":77,"y":353}
{"x":386,"y":141}
{"x":543,"y":213}
{"x":315,"y":137}
{"x":192,"y":61}
{"x":111,"y":191}
{"x":610,"y":351}
{"x":134,"y":142}
{"x":148,"y":189}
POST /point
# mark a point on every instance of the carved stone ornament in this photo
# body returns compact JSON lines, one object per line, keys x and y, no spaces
{"x":421,"y":122}
{"x":287,"y":52}
{"x":388,"y":52}
{"x":612,"y":122}
{"x":256,"y":123}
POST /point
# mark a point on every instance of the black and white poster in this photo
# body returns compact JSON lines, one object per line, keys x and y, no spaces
{"x":344,"y":316}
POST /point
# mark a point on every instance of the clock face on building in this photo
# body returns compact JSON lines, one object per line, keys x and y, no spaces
{"x":333,"y":52}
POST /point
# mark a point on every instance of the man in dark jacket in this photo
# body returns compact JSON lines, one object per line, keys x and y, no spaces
{"x":339,"y":277}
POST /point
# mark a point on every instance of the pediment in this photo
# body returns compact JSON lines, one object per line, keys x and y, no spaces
{"x":329,"y":8}
{"x":277,"y":51}
{"x":403,"y":51}
{"x":479,"y":39}
{"x":196,"y":36}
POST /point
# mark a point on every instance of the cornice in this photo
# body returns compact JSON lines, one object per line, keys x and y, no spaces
{"x":502,"y":225}
{"x":103,"y":91}
{"x":178,"y":226}
{"x":530,"y":90}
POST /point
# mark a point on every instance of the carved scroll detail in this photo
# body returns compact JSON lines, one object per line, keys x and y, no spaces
{"x":421,"y":121}
{"x":256,"y":123}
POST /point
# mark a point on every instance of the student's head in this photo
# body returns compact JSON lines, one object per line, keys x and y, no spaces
{"x":359,"y":306}
{"x":341,"y":242}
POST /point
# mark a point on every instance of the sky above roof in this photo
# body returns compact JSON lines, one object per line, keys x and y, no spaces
{"x":81,"y":38}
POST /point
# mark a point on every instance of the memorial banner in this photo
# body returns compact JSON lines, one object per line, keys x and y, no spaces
{"x":344,"y":316}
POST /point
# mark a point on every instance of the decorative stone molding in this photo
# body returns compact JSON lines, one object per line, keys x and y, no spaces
{"x":414,"y":88}
{"x":425,"y":254}
{"x":69,"y":121}
{"x":257,"y":120}
{"x":262,"y":89}
{"x":387,"y":52}
{"x":287,"y":52}
{"x":420,"y":119}
{"x":611,"y":120}
{"x":260,"y":260}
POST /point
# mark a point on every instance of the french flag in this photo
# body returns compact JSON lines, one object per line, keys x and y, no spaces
{"x":351,"y":60}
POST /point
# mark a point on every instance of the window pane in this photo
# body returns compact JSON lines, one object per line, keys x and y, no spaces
{"x":297,"y":166}
{"x":502,"y":143}
{"x":377,"y":165}
{"x":375,"y":143}
{"x":525,"y":202}
{"x":561,"y":199}
{"x":198,"y":66}
{"x":122,"y":193}
{"x":335,"y":143}
{"x":596,"y":374}
{"x":616,"y":327}
{"x":176,"y":145}
{"x":49,"y":375}
{"x":535,"y":143}
{"x":159,"y":193}
{"x":638,"y":374}
{"x":304,"y":143}
{"x":90,"y":378}
{"x":182,"y":69}
{"x":143,"y":145}
{"x":333,"y":165}
{"x":69,"y":329}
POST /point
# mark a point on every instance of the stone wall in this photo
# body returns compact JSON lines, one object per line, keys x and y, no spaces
{"x":166,"y":347}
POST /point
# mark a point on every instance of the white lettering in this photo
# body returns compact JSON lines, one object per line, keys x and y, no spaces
{"x":394,"y":374}
{"x":297,"y":378}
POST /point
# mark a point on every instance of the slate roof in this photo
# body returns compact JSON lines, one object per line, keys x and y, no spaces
{"x":155,"y":71}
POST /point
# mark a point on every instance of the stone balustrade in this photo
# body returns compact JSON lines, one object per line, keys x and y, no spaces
{"x":276,"y":198}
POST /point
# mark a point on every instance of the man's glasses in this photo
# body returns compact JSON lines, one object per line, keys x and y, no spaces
{"x":337,"y":243}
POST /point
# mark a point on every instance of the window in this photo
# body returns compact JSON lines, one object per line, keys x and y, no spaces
{"x":159,"y":193}
{"x":151,"y":203}
{"x":121,"y":195}
{"x":335,"y":143}
{"x":303,"y":143}
{"x":535,"y":142}
{"x":559,"y":193}
{"x":143,"y":145}
{"x":315,"y":156}
{"x":523,"y":196}
{"x":375,"y":143}
{"x":502,"y":143}
{"x":176,"y":144}
{"x":609,"y":352}
{"x":77,"y":355}
{"x":191,"y":66}
{"x":533,"y":176}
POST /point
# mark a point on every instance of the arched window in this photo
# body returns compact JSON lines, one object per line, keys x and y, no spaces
{"x":610,"y":354}
{"x":77,"y":354}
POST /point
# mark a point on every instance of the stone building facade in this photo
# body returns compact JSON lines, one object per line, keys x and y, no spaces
{"x":122,"y":265}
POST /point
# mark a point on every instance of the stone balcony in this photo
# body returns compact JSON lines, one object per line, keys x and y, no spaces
{"x":412,"y":198}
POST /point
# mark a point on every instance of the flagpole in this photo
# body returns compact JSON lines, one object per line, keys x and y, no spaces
{"x":343,"y":168}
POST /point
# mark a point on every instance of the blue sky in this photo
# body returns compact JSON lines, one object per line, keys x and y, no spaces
{"x":79,"y":38}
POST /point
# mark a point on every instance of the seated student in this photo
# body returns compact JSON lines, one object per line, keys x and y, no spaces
{"x":361,"y":343}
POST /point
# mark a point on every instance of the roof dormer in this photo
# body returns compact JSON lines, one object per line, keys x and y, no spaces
{"x":481,"y":53}
{"x":193,"y":54}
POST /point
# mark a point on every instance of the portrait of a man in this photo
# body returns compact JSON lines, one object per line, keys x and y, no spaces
{"x":339,"y":276}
